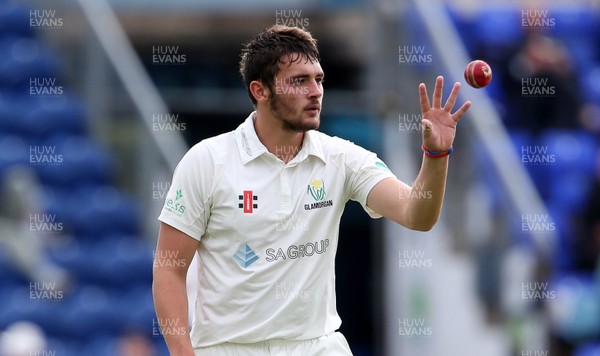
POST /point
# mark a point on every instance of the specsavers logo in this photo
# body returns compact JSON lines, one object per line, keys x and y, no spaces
{"x":316,"y":189}
{"x":175,"y":206}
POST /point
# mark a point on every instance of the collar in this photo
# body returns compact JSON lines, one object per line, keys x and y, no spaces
{"x":250,"y":146}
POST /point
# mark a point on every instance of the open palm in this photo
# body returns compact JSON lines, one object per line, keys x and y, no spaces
{"x":439,"y":123}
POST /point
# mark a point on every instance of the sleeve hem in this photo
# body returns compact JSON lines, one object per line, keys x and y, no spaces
{"x":193,"y":233}
{"x":372,"y":184}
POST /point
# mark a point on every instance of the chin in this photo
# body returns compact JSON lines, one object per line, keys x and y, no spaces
{"x":313,"y":122}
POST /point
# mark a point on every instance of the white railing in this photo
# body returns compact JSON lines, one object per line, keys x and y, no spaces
{"x":443,"y":297}
{"x":130,"y":70}
{"x":485,"y":120}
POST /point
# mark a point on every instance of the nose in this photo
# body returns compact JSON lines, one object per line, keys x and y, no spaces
{"x":315,"y":89}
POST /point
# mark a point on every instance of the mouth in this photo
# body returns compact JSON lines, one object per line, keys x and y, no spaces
{"x":313,"y":109}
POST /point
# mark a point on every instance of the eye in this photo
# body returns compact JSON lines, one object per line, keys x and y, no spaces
{"x":320,"y":81}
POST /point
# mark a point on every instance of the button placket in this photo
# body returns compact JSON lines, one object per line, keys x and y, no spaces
{"x":286,"y":191}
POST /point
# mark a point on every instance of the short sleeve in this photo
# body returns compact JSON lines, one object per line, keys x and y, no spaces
{"x":186,"y":206}
{"x":365,"y":171}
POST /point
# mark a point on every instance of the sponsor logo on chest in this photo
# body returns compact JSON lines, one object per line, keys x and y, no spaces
{"x":248,"y":202}
{"x":316,"y":189}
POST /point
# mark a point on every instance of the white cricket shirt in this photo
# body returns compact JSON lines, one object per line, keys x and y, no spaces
{"x":268,"y":232}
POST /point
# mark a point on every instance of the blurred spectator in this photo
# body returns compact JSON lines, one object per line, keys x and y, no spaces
{"x":22,"y":338}
{"x":588,"y":248}
{"x":541,"y":87}
{"x":135,"y":344}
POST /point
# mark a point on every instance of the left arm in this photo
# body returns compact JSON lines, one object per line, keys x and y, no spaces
{"x":419,"y":207}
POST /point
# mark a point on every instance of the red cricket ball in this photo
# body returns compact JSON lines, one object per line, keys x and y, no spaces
{"x":478,"y":74}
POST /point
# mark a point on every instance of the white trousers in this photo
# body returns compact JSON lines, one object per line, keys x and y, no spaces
{"x":334,"y":344}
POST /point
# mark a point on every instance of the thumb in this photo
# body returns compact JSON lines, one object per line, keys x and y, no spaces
{"x":426,"y":126}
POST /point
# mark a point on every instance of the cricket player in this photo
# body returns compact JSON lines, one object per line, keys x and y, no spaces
{"x":261,"y":206}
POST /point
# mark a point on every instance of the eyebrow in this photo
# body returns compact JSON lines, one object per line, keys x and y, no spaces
{"x":321,"y":75}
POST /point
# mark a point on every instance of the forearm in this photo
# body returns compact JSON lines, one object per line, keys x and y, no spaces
{"x":427,"y":193}
{"x":170,"y":301}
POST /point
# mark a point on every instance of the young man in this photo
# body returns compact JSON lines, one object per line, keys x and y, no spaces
{"x":262,"y":205}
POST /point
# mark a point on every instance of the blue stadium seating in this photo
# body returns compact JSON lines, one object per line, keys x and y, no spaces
{"x":564,"y":183}
{"x":498,"y":25}
{"x":136,"y":308}
{"x":590,"y":82}
{"x":564,"y":253}
{"x":578,"y":302}
{"x":571,"y":150}
{"x":63,"y":347}
{"x":26,"y":59}
{"x":83,"y":163}
{"x":14,"y":19}
{"x":572,"y":22}
{"x":88,"y":311}
{"x":588,"y":349}
{"x":8,"y":274}
{"x":45,"y":117}
{"x":110,"y":264}
{"x":13,"y":152}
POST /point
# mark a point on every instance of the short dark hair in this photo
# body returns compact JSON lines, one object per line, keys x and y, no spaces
{"x":261,"y":57}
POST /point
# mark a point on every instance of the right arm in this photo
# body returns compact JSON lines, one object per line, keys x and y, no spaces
{"x":174,"y":253}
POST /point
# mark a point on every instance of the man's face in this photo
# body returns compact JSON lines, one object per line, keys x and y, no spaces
{"x":297,"y":94}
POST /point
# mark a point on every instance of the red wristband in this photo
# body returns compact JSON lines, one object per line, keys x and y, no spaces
{"x":434,"y":154}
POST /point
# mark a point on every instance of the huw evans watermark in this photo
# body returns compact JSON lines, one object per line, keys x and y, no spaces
{"x":414,"y":55}
{"x":292,"y":18}
{"x":45,"y":87}
{"x":537,"y":155}
{"x":45,"y":19}
{"x":45,"y":291}
{"x":291,"y":87}
{"x":537,"y":88}
{"x":160,"y":190}
{"x":42,"y":353}
{"x":167,"y":123}
{"x":168,"y":55}
{"x":289,"y":290}
{"x":170,"y":259}
{"x":413,"y":259}
{"x":290,"y":223}
{"x":168,"y":327}
{"x":537,"y":291}
{"x":417,"y":192}
{"x":535,"y":353}
{"x":410,"y":122}
{"x":414,"y":327}
{"x":45,"y":155}
{"x":537,"y":223}
{"x":537,"y":19}
{"x":45,"y":223}
{"x":286,"y":153}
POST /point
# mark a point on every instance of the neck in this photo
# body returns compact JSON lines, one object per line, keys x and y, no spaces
{"x":281,"y":142}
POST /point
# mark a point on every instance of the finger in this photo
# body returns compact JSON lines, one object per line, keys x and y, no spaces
{"x":452,"y":98}
{"x":424,"y":99}
{"x":461,"y":111}
{"x":437,"y":92}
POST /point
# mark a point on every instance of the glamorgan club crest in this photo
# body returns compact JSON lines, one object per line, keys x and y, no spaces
{"x":316,"y":188}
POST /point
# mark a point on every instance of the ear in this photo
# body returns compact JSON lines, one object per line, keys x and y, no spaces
{"x":259,"y":91}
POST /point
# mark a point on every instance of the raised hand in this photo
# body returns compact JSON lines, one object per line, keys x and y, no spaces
{"x":439,"y":123}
